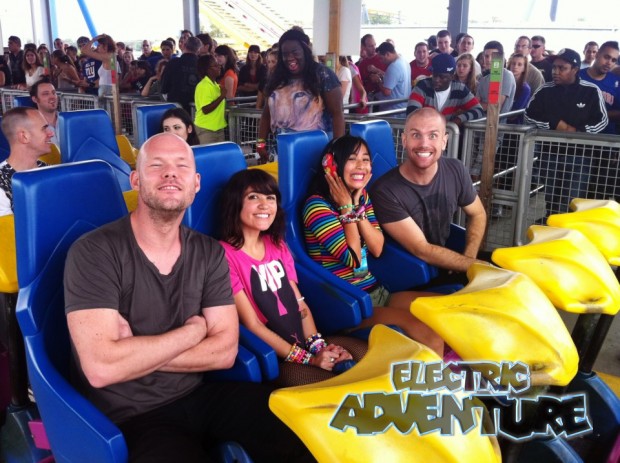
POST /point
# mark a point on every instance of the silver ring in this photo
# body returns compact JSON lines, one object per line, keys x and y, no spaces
{"x":332,"y":359}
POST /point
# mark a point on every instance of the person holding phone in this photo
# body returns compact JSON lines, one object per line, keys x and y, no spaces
{"x":341,"y":229}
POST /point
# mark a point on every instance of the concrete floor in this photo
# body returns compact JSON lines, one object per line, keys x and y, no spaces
{"x":608,"y":360}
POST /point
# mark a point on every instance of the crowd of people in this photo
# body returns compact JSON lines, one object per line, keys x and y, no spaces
{"x":151,"y":305}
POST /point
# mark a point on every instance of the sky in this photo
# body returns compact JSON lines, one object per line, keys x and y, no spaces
{"x":125,"y":19}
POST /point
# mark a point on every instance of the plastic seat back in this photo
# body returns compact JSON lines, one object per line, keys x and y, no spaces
{"x":53,"y":207}
{"x":88,"y":134}
{"x":335,"y":303}
{"x":216,"y":164}
{"x":378,"y":137}
{"x":148,"y":118}
{"x":23,"y":101}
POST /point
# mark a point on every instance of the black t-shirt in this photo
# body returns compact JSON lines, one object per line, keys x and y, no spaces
{"x":431,"y":206}
{"x":18,"y":75}
{"x":179,"y":80}
{"x":546,"y":67}
{"x":107,"y":269}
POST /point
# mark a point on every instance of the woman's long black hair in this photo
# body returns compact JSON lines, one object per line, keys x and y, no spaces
{"x":341,"y":148}
{"x":281,"y":75}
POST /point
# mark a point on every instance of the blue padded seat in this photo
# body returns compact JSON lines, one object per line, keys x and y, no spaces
{"x":378,"y":137}
{"x":148,"y":119}
{"x":23,"y":101}
{"x":53,"y":207}
{"x":89,"y":134}
{"x":215,"y":163}
{"x":336,"y":304}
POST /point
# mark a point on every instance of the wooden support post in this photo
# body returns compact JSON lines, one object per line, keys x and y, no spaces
{"x":490,"y":135}
{"x":335,"y":9}
{"x":116,"y":104}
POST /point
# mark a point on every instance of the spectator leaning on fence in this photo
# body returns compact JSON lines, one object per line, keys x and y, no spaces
{"x":567,"y":104}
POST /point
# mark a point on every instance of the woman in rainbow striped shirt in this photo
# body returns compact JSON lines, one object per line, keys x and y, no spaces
{"x":341,"y":229}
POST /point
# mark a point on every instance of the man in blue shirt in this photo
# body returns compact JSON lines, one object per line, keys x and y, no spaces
{"x":90,"y":69}
{"x":396,"y":81}
{"x":598,"y":73}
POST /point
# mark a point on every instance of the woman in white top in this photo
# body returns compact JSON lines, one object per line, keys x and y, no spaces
{"x":33,"y":68}
{"x":344,"y":76}
{"x":106,"y":53}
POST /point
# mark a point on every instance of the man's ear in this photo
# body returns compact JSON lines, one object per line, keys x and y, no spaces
{"x":134,"y":180}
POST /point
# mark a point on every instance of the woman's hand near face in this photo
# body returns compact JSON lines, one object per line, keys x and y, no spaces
{"x":338,"y":190}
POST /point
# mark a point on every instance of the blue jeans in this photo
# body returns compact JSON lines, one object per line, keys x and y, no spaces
{"x":566,"y":176}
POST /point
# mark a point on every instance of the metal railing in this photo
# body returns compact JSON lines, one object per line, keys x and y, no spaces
{"x":537,"y":172}
{"x":564,"y":166}
{"x":510,"y":169}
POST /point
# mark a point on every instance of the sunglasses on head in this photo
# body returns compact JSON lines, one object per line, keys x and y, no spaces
{"x":536,"y":46}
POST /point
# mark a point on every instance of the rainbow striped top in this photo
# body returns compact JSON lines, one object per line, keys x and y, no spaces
{"x":326,"y":243}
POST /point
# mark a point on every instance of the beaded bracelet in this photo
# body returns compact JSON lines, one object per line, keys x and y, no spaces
{"x":346,"y":206}
{"x":352,"y":218}
{"x":315,"y":343}
{"x":298,"y":355}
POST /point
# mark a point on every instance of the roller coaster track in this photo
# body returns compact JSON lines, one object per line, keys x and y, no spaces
{"x":246,"y":22}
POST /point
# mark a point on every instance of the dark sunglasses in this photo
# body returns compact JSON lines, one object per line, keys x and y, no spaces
{"x":536,"y":46}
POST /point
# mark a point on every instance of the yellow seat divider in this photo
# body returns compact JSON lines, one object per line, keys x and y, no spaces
{"x":503,"y":316}
{"x":131,"y":199}
{"x":53,"y":157}
{"x":309,"y":410}
{"x":599,"y":220}
{"x":271,"y":168}
{"x":570,"y":270}
{"x":128,"y":153}
{"x":8,"y":259}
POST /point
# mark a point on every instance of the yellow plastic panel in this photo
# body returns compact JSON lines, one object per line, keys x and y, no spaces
{"x":53,"y":157}
{"x":8,"y":263}
{"x":308,"y":411}
{"x":599,"y":220}
{"x":131,"y":199}
{"x":567,"y":267}
{"x":503,"y":316}
{"x":128,"y":152}
{"x":271,"y":168}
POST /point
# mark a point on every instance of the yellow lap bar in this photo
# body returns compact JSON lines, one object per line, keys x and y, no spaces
{"x":308,"y":411}
{"x":599,"y":220}
{"x":503,"y":316}
{"x":271,"y":168}
{"x":567,"y":267}
{"x":8,"y":263}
